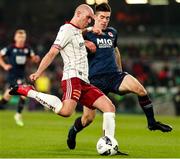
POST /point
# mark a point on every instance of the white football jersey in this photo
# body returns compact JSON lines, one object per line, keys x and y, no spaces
{"x":73,"y":52}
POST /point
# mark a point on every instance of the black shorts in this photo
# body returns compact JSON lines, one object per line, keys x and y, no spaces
{"x":108,"y":82}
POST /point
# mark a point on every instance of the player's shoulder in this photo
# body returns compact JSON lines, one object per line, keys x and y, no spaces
{"x":7,"y":49}
{"x":111,"y":29}
{"x":66,"y":27}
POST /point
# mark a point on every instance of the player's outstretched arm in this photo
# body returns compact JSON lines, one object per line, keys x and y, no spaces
{"x":46,"y":61}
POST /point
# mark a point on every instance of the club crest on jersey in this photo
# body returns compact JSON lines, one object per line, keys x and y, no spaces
{"x":110,"y":34}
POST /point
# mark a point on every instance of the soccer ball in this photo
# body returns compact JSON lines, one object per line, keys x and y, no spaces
{"x":107,"y":145}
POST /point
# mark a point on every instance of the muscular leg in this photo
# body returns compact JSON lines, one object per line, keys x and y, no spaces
{"x":131,"y":84}
{"x":103,"y":104}
{"x":79,"y":124}
{"x":64,"y":109}
{"x":68,"y":107}
{"x":88,"y":116}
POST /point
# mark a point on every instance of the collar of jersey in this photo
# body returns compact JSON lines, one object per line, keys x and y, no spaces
{"x":14,"y":45}
{"x":72,"y":24}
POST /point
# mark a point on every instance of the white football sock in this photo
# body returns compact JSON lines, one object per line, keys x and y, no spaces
{"x":47,"y":100}
{"x":109,"y":123}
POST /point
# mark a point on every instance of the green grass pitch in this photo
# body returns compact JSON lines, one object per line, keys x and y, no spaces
{"x":44,"y":135}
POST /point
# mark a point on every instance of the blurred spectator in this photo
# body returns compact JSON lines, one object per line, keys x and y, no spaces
{"x":177,"y":76}
{"x":164,"y":76}
{"x":176,"y":100}
{"x":140,"y":74}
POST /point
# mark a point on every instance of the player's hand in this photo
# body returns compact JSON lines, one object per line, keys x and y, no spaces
{"x":7,"y":67}
{"x":34,"y":76}
{"x":90,"y":45}
{"x":97,"y":31}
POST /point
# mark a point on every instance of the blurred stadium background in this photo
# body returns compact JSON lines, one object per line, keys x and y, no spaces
{"x":149,"y":41}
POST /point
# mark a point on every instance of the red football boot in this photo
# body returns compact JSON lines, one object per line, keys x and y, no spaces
{"x":20,"y":89}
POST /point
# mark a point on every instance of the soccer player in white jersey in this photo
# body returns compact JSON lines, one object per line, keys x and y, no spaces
{"x":75,"y":84}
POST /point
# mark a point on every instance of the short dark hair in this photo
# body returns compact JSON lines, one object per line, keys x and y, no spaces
{"x":103,"y":7}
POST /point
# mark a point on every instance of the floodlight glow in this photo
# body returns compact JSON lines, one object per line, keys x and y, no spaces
{"x":90,"y":2}
{"x":158,"y":2}
{"x":178,"y":1}
{"x":101,"y":1}
{"x":136,"y":1}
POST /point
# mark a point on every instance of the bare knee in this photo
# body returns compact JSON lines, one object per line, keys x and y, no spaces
{"x":68,"y":108}
{"x":65,"y":113}
{"x":142,"y":91}
{"x":104,"y":104}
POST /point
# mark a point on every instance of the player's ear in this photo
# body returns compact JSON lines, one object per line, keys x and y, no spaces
{"x":78,"y":13}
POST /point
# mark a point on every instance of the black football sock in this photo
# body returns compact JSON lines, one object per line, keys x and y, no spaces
{"x":78,"y":125}
{"x":147,"y":107}
{"x":2,"y":103}
{"x":20,"y":105}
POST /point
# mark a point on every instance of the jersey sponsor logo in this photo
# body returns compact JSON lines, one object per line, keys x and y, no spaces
{"x":104,"y":43}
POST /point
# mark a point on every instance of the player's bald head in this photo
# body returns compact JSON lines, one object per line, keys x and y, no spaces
{"x":83,"y":16}
{"x":84,"y":7}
